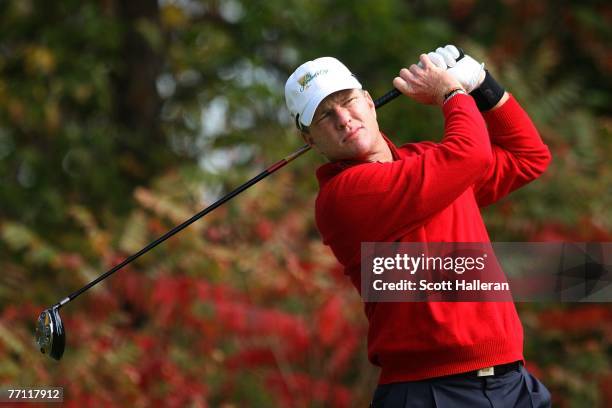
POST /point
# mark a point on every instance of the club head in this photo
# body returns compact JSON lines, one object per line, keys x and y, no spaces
{"x":50,"y":334}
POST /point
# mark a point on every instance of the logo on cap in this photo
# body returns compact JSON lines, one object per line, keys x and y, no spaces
{"x":305,"y":80}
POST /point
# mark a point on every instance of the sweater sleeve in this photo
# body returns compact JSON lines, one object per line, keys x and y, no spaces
{"x":519,"y":155}
{"x":374,"y":201}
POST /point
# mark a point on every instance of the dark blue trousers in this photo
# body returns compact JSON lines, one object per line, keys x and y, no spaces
{"x":517,"y":388}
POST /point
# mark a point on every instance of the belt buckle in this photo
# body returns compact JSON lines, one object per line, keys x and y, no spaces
{"x":485,"y":372}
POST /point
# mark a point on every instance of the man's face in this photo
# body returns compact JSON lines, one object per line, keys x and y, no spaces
{"x":344,"y":127}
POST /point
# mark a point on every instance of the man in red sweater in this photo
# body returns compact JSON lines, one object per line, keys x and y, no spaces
{"x":431,"y":354}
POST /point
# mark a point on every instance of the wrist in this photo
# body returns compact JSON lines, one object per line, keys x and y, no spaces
{"x":452,"y":93}
{"x":499,"y":104}
{"x":488,"y":94}
{"x":447,"y":84}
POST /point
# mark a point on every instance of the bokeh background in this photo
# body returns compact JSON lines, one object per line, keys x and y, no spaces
{"x":121,"y":119}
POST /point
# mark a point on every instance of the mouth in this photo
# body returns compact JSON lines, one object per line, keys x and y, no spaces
{"x":352,"y":134}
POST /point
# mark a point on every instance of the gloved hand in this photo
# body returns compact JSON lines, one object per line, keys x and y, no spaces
{"x":467,"y":70}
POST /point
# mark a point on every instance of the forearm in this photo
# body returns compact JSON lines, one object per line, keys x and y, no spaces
{"x":512,"y":129}
{"x":509,"y":125}
{"x":519,"y":154}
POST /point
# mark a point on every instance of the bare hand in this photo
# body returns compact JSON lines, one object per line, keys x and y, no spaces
{"x":427,"y":84}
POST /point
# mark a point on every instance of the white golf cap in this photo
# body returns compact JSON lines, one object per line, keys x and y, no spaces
{"x":311,"y":82}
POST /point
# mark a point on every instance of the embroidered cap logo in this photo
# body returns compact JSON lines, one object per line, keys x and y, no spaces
{"x":305,"y":80}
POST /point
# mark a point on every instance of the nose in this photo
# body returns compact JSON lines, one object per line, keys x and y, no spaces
{"x":343,"y":117}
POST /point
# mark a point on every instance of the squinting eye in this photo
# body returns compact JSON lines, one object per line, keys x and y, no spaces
{"x":322,"y":117}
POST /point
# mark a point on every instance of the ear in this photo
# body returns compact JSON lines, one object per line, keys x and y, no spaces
{"x":307,"y":138}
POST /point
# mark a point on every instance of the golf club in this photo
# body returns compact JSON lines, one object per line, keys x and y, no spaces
{"x":50,"y":332}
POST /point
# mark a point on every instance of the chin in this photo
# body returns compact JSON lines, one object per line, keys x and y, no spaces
{"x":361,"y":150}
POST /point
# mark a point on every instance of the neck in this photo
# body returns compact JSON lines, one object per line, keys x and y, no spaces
{"x":382,"y":152}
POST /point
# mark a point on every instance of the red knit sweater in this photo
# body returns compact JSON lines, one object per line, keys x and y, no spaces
{"x":432,"y":192}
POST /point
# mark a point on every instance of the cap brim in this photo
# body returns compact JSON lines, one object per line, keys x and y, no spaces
{"x":323,"y":92}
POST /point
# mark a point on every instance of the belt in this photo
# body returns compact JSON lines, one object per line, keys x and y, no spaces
{"x":496,"y":370}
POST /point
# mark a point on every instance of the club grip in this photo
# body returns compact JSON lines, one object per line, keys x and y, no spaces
{"x":461,"y":54}
{"x":388,"y":97}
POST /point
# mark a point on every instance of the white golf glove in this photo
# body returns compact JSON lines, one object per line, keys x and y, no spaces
{"x":467,"y":70}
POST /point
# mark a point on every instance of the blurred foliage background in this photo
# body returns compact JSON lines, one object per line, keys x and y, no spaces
{"x":119,"y":120}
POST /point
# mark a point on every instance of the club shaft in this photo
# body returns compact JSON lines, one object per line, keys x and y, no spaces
{"x":394,"y":93}
{"x":386,"y":98}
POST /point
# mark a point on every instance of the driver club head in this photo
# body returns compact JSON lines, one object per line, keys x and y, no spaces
{"x":50,"y":334}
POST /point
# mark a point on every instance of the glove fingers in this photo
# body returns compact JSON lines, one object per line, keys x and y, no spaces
{"x":468,"y":72}
{"x":454,"y":51}
{"x":447,"y":56}
{"x":438,"y":60}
